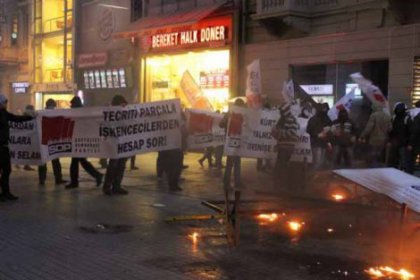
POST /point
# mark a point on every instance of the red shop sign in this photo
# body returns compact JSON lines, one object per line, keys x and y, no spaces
{"x":210,"y":33}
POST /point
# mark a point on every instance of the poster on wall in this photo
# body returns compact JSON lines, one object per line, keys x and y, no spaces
{"x":249,"y":133}
{"x":203,"y":129}
{"x":193,"y":93}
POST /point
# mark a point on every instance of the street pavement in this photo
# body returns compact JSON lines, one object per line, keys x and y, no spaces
{"x":53,"y":233}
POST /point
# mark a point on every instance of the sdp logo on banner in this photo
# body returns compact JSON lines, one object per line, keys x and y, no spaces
{"x":57,"y":134}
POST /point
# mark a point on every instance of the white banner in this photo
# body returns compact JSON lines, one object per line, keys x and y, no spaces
{"x":398,"y":185}
{"x":253,"y":85}
{"x":345,"y":102}
{"x":303,"y":145}
{"x":288,"y":92}
{"x":203,"y":129}
{"x":372,"y":92}
{"x":24,"y":143}
{"x":110,"y":132}
{"x":249,"y":133}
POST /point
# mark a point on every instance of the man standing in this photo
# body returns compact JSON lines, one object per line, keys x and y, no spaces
{"x":5,"y":166}
{"x":116,"y":167}
{"x":56,"y":165}
{"x":413,"y":146}
{"x":376,"y":131}
{"x":76,"y":102}
{"x":318,"y":128}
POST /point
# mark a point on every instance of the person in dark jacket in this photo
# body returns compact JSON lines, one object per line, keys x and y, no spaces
{"x":170,"y":162}
{"x":399,"y":136}
{"x":116,"y":167}
{"x":318,"y":128}
{"x":413,"y":146}
{"x":233,"y":163}
{"x":5,"y":165}
{"x":344,"y":134}
{"x":56,"y":165}
{"x":76,"y":102}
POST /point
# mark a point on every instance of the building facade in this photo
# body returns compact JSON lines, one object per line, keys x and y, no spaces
{"x":185,"y":49}
{"x":14,"y":62}
{"x":318,"y":43}
{"x":52,"y":52}
{"x":105,"y":66}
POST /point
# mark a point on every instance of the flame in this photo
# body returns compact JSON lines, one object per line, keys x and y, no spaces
{"x":389,"y":272}
{"x":330,"y":230}
{"x":194,"y":237}
{"x":338,"y":197}
{"x":268,"y":217}
{"x":295,"y":226}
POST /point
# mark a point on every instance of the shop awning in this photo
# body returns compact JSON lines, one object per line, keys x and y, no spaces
{"x":168,"y":20}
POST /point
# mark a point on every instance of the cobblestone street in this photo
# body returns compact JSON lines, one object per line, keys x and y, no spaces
{"x":53,"y":233}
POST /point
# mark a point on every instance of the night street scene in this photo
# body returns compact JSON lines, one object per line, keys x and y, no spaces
{"x":210,"y":139}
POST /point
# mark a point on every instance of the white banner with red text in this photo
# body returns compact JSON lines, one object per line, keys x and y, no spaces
{"x":102,"y":132}
{"x":249,"y":133}
{"x":204,"y":129}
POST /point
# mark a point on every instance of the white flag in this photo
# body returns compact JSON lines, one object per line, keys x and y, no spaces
{"x":371,"y":91}
{"x":344,"y":103}
{"x":288,"y":92}
{"x":253,"y":84}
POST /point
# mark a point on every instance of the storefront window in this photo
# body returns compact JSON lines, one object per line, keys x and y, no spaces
{"x":62,"y":100}
{"x":416,"y":80}
{"x":207,"y":72}
{"x":53,"y":59}
{"x":315,"y":79}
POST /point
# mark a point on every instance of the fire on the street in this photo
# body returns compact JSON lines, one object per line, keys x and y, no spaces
{"x":386,"y":272}
{"x":295,"y":226}
{"x":194,"y":237}
{"x":268,"y":217}
{"x":338,"y":197}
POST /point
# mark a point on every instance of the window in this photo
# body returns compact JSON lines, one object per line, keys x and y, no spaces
{"x":14,"y":33}
{"x":416,"y":80}
{"x":136,"y":9}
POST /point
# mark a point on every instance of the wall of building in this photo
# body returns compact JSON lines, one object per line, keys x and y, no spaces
{"x":14,"y":57}
{"x":399,"y":44}
{"x":95,"y":34}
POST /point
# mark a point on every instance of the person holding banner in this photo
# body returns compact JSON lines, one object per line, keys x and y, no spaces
{"x":413,"y":146}
{"x":344,"y":134}
{"x":42,"y":169}
{"x":233,"y":163}
{"x":76,"y":102}
{"x":286,"y":133}
{"x":5,"y":165}
{"x":116,"y":167}
{"x":318,"y":129}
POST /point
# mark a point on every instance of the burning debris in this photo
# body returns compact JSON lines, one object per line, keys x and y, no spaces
{"x":295,"y":226}
{"x":268,"y":217}
{"x":338,"y":197}
{"x":194,"y":237}
{"x":386,"y":272}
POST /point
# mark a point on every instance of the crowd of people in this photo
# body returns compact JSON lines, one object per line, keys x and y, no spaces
{"x":388,"y":140}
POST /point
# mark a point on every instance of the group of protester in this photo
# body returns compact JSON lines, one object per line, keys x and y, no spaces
{"x":391,"y":140}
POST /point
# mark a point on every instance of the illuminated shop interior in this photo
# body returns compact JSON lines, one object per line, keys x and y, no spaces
{"x":209,"y":70}
{"x":53,"y":55}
